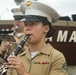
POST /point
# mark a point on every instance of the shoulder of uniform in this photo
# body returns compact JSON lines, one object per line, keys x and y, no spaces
{"x":56,"y":53}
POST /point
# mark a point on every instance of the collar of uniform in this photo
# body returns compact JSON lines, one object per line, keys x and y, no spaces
{"x":46,"y":50}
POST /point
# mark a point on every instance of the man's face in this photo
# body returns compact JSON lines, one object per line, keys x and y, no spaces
{"x":20,"y":25}
{"x":37,"y":31}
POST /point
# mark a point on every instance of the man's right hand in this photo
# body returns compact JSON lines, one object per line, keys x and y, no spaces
{"x":4,"y":49}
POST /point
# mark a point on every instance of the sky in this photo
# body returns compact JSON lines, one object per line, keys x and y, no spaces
{"x":63,"y":7}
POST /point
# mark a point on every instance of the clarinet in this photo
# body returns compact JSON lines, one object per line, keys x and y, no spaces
{"x":3,"y":70}
{"x":14,"y":32}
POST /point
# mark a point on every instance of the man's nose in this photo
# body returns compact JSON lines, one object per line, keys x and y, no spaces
{"x":27,"y":28}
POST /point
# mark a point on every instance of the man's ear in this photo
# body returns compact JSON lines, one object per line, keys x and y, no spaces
{"x":46,"y":28}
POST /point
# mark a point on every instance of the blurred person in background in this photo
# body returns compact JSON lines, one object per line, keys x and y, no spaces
{"x":18,"y":32}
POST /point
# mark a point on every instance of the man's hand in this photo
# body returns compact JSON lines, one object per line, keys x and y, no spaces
{"x":4,"y":49}
{"x":15,"y":63}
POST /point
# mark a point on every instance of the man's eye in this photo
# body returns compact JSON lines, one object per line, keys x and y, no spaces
{"x":32,"y":23}
{"x":25,"y":24}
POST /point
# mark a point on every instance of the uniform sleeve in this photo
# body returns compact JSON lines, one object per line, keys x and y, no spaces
{"x":59,"y":65}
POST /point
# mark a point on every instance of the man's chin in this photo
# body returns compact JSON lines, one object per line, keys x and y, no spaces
{"x":31,"y":42}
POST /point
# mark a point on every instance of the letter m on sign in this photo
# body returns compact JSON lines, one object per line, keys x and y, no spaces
{"x":62,"y":36}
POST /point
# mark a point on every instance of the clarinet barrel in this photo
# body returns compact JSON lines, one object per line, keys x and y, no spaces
{"x":20,"y":46}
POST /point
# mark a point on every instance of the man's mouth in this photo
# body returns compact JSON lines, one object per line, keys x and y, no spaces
{"x":29,"y":34}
